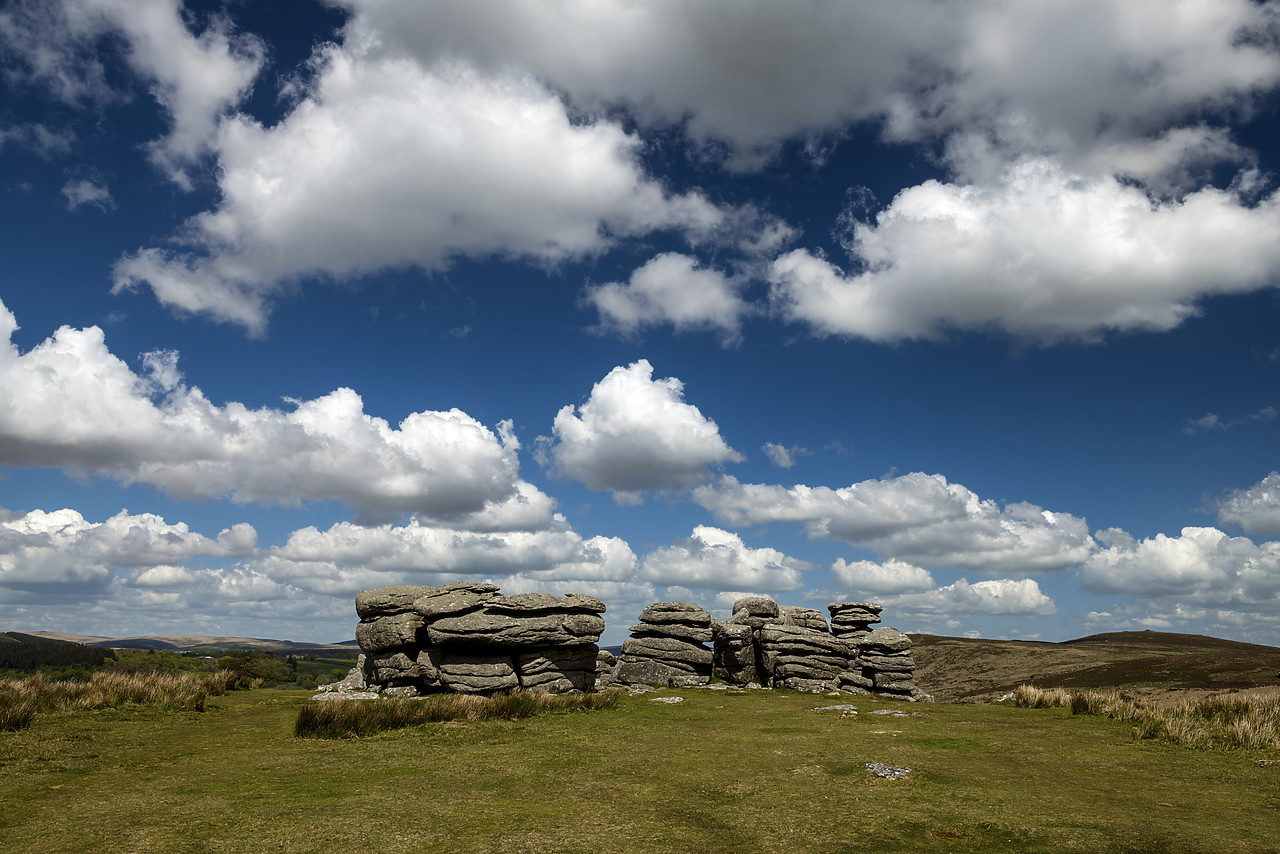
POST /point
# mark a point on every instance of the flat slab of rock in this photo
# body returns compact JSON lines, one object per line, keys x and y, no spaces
{"x":676,"y":612}
{"x":381,"y":601}
{"x":483,"y":628}
{"x":794,"y":615}
{"x":393,"y":630}
{"x":452,"y":600}
{"x":668,"y":649}
{"x":887,"y":772}
{"x":545,"y":603}
{"x":679,"y":631}
{"x":647,"y":671}
{"x":886,"y":639}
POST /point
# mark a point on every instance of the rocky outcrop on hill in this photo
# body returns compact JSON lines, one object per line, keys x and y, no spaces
{"x":468,"y":638}
{"x":667,"y":648}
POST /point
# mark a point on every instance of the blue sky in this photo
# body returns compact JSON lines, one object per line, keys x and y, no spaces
{"x":968,"y":309}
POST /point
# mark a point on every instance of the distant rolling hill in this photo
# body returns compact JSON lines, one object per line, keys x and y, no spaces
{"x":977,"y":669}
{"x":192,"y":643}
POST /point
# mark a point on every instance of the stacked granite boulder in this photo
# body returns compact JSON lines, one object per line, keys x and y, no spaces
{"x":884,"y":657}
{"x":853,"y":620}
{"x":468,"y":638}
{"x":667,"y":648}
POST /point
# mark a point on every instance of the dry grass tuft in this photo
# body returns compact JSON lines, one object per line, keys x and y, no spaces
{"x":1221,"y":720}
{"x":22,"y":699}
{"x":355,"y":718}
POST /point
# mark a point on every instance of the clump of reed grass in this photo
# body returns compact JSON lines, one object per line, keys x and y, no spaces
{"x":1219,"y":721}
{"x":1029,"y":696}
{"x":22,"y":699}
{"x":355,"y":718}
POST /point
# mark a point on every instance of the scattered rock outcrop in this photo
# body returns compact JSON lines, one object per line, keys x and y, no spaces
{"x":667,"y":648}
{"x":468,"y":638}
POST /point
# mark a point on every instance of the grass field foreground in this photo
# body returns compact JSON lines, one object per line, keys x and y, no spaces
{"x":720,"y":771}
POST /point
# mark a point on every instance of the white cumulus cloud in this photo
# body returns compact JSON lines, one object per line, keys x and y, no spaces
{"x":387,"y":162}
{"x":1042,"y":253}
{"x":880,"y":579}
{"x":635,"y":434}
{"x":916,"y":518}
{"x":72,"y":404}
{"x":1255,"y":510}
{"x":671,"y":288}
{"x":718,"y":559}
{"x":1200,"y":566}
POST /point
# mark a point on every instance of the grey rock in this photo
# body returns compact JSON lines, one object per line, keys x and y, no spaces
{"x":647,"y":671}
{"x":735,"y":654}
{"x":794,"y":615}
{"x":680,"y":631}
{"x":808,"y":686}
{"x":507,"y":630}
{"x":476,"y":674}
{"x":886,"y":639}
{"x":405,"y":691}
{"x":379,"y":633}
{"x":390,"y":667}
{"x":799,"y":640}
{"x":381,"y":601}
{"x":893,"y":661}
{"x":676,"y":612}
{"x":453,"y":600}
{"x":348,"y":695}
{"x":887,"y":772}
{"x":756,"y":606}
{"x":668,"y":649}
{"x":558,"y":670}
{"x":853,"y":679}
{"x":544,"y":603}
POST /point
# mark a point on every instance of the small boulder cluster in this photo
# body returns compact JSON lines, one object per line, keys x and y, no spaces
{"x":468,"y":638}
{"x":769,"y":645}
{"x":668,"y":647}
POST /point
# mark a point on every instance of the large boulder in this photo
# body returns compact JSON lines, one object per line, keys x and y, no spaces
{"x":379,"y":633}
{"x":558,"y":670}
{"x":735,"y":654}
{"x":794,"y":615}
{"x":676,"y":612}
{"x":382,"y":601}
{"x":482,"y":628}
{"x":454,"y":599}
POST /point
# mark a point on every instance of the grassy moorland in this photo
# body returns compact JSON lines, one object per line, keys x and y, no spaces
{"x":720,"y":771}
{"x":1142,"y":663}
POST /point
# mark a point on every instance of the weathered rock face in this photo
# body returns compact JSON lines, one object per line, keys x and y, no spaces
{"x":667,"y":648}
{"x":792,"y":647}
{"x":853,"y":619}
{"x":468,"y":638}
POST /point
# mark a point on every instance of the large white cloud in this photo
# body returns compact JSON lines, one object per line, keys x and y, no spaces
{"x":70,"y":403}
{"x":347,"y":558}
{"x":1255,"y":510}
{"x":1042,"y":253}
{"x":1201,"y":566}
{"x":634,"y":434}
{"x":671,"y":288}
{"x":718,"y":559}
{"x":915,"y":518}
{"x":387,"y":162}
{"x":879,"y":579}
{"x":40,"y":549}
{"x":1015,"y":597}
{"x":194,"y":78}
{"x":753,"y":74}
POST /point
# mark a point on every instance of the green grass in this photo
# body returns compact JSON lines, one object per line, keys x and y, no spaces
{"x":756,"y":771}
{"x":1250,"y":721}
{"x":356,"y":718}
